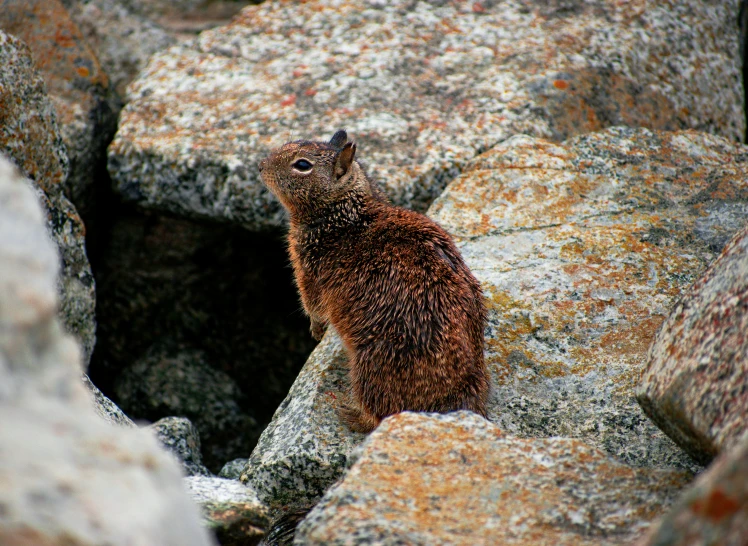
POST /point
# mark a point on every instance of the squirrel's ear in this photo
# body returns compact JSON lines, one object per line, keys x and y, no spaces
{"x":339,"y":139}
{"x":344,"y":160}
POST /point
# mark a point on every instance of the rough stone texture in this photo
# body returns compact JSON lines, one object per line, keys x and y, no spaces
{"x":582,"y":249}
{"x":715,"y":508}
{"x":67,"y":477}
{"x":105,"y":408}
{"x":180,"y":437}
{"x":442,"y":82}
{"x":168,"y":286}
{"x":231,"y":510}
{"x":78,"y":87}
{"x":304,"y":449}
{"x":30,"y":137}
{"x":233,"y":469}
{"x":425,"y":479}
{"x":695,"y":384}
{"x":123,"y":40}
{"x":184,"y":384}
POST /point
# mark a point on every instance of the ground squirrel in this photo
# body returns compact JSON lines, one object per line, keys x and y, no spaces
{"x":390,"y":280}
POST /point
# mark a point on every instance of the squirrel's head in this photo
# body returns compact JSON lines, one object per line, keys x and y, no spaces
{"x":305,"y":174}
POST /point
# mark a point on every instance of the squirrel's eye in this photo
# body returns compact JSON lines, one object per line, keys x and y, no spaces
{"x":302,"y":165}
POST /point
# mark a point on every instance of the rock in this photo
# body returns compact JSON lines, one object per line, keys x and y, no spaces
{"x":714,"y":510}
{"x":68,"y":477}
{"x":79,"y":89}
{"x":304,"y":449}
{"x":185,"y":385}
{"x":444,"y":82}
{"x":167,"y":286}
{"x":230,"y":510}
{"x":105,"y":408}
{"x":695,"y":383}
{"x":123,"y":40}
{"x":30,"y":137}
{"x":180,"y":437}
{"x":582,"y":249}
{"x":233,"y":469}
{"x":456,"y":479}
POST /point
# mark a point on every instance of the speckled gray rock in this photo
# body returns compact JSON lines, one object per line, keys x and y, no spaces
{"x":582,"y":249}
{"x":123,"y":40}
{"x":180,"y":437}
{"x":231,"y":510}
{"x":30,"y":137}
{"x":68,"y":477}
{"x":425,"y":479}
{"x":184,"y":384}
{"x":695,"y":384}
{"x":304,"y":448}
{"x":233,"y":469}
{"x":105,"y":408}
{"x":714,"y":510}
{"x":79,"y":89}
{"x":442,"y":82}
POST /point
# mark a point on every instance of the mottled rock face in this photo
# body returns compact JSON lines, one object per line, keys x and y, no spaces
{"x":30,"y":137}
{"x":68,"y":477}
{"x":695,"y":384}
{"x":455,"y":479}
{"x":181,"y":438}
{"x":105,"y":408}
{"x":582,"y":249}
{"x":77,"y":86}
{"x":423,"y":87}
{"x":231,"y":510}
{"x":304,"y":449}
{"x":122,"y":39}
{"x":714,"y":510}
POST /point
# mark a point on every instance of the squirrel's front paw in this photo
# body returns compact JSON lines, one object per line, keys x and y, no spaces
{"x":317,"y":329}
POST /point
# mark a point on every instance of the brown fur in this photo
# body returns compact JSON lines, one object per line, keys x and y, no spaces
{"x":391,"y":282}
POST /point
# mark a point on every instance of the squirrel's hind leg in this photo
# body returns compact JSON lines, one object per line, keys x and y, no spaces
{"x":357,"y":418}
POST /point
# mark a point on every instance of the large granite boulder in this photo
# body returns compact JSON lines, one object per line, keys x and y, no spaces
{"x":68,"y":477}
{"x":424,"y":87}
{"x":714,"y":510}
{"x":122,"y":38}
{"x":695,"y":384}
{"x":31,"y":138}
{"x":79,"y":89}
{"x":181,"y":438}
{"x":425,"y":479}
{"x":581,"y":249}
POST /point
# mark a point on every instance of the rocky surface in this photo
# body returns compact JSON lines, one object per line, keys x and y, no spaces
{"x":184,"y":384}
{"x":233,"y":469}
{"x":456,"y":78}
{"x":715,"y":508}
{"x":180,"y":437}
{"x":79,"y":89}
{"x":30,"y":137}
{"x":304,"y":449}
{"x":231,"y":510}
{"x":456,"y":479}
{"x":167,"y":287}
{"x":582,"y":249}
{"x":105,"y":408}
{"x":68,"y":477}
{"x":695,"y":384}
{"x":123,"y":40}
